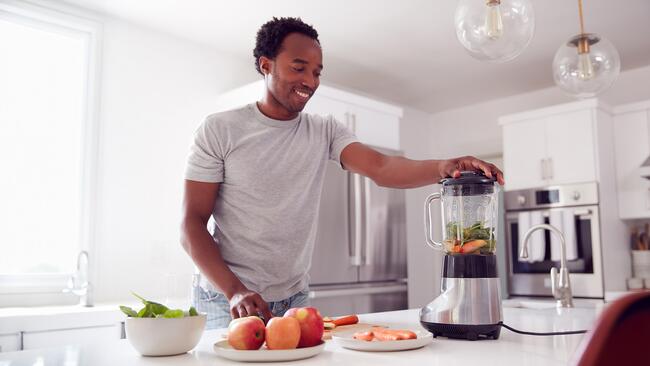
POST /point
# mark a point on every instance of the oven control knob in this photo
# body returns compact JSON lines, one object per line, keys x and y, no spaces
{"x":576,"y":195}
{"x":521,"y":199}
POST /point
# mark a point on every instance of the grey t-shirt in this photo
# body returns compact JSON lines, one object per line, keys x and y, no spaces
{"x":271,"y":174}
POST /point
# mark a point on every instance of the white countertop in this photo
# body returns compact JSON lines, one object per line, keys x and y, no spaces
{"x":509,"y":349}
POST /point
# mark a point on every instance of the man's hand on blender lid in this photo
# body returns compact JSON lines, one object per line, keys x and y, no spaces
{"x":453,"y":167}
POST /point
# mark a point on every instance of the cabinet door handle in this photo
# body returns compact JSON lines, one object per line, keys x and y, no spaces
{"x":550,"y":168}
{"x":647,"y":199}
{"x":543,"y":168}
{"x":354,"y":122}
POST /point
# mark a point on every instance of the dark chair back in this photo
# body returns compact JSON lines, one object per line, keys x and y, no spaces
{"x":621,"y":335}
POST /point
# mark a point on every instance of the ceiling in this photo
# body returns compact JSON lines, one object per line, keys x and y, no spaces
{"x":402,"y":51}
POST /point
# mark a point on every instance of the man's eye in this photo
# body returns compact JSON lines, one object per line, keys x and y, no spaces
{"x":298,"y":69}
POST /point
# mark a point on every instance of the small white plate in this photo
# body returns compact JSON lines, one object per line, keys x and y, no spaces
{"x":223,"y":349}
{"x":346,"y":340}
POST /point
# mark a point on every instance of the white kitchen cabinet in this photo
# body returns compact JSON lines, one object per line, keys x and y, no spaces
{"x":38,"y":327}
{"x":524,"y":153}
{"x":374,"y":123}
{"x":61,"y":337}
{"x":322,"y":105}
{"x":551,"y":146}
{"x":632,"y":146}
{"x":10,"y":342}
{"x":376,"y":128}
{"x":570,"y":147}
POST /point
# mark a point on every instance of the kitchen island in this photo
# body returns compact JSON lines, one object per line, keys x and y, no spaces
{"x":509,"y":349}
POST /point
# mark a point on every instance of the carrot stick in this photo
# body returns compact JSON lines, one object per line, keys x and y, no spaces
{"x":406,"y":334}
{"x":382,"y":335}
{"x":346,"y":320}
{"x":364,"y":336}
{"x":399,"y":333}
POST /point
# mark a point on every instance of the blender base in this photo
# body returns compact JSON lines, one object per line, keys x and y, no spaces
{"x":463,"y":331}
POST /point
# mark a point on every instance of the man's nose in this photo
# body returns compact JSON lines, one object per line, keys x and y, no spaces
{"x":310,"y":82}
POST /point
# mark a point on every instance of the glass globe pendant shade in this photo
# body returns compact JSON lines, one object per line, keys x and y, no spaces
{"x":494,"y":30}
{"x":586,"y":65}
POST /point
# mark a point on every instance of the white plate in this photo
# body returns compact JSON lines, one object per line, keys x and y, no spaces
{"x":344,"y":339}
{"x":223,"y":349}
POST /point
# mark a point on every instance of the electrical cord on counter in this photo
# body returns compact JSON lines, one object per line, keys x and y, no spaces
{"x":542,"y":333}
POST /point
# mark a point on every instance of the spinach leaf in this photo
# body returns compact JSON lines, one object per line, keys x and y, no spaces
{"x":145,"y":312}
{"x":156,"y":308}
{"x":193,"y":311}
{"x":153,"y":309}
{"x":128,"y":311}
{"x":173,"y":313}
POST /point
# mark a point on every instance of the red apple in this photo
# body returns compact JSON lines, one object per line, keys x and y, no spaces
{"x":246,"y":333}
{"x":311,"y":325}
{"x":282,"y":333}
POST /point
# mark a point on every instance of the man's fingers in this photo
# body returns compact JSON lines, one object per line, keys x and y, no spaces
{"x":263,"y":308}
{"x":234,"y":313}
{"x":250,"y":309}
{"x":478,"y":164}
{"x":500,"y":178}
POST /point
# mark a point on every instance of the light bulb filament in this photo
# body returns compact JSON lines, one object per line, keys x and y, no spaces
{"x":585,"y":66}
{"x":493,"y":20}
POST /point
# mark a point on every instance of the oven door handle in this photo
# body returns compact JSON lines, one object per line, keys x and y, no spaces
{"x":583,"y":213}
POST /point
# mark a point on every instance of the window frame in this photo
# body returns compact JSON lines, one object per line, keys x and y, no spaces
{"x":66,"y":20}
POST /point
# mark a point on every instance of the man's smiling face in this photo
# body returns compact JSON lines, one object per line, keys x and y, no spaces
{"x":294,"y":75}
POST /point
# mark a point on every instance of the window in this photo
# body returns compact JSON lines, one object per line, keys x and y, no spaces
{"x":47,"y":146}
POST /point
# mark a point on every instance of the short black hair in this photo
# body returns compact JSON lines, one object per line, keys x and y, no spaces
{"x":272,"y":33}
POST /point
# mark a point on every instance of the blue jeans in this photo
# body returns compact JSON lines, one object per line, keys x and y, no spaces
{"x":216,"y":305}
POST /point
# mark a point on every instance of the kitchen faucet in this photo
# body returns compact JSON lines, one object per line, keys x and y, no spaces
{"x":560,"y":286}
{"x":79,"y":284}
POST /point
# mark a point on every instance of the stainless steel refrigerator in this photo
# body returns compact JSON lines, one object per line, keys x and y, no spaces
{"x":359,"y":261}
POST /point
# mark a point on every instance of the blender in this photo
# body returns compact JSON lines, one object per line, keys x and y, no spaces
{"x":469,"y":305}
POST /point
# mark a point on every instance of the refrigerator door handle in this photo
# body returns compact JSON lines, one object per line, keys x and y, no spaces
{"x":354,"y":291}
{"x":356,"y":224}
{"x":368,"y":245}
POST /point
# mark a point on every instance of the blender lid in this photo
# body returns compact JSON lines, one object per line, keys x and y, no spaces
{"x":468,"y":178}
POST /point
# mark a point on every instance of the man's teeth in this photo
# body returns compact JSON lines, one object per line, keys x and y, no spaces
{"x":304,"y":95}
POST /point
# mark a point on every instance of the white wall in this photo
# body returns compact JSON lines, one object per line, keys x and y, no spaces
{"x":155,"y":90}
{"x":474,"y":130}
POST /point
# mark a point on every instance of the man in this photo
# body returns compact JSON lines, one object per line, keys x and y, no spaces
{"x":258,"y":171}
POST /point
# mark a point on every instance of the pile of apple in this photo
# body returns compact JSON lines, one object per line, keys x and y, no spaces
{"x":298,"y":328}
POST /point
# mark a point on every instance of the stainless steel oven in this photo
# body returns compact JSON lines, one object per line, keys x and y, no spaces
{"x":578,"y":204}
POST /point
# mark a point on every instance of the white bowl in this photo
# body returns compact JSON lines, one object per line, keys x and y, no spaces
{"x":164,"y":336}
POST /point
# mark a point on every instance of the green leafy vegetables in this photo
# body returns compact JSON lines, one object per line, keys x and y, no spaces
{"x":474,"y":239}
{"x":155,"y":310}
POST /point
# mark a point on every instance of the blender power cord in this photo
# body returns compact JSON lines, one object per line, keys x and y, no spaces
{"x":543,"y":333}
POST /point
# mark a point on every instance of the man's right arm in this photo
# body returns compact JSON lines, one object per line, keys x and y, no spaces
{"x":198,"y":203}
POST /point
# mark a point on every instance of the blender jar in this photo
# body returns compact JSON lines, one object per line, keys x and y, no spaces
{"x":469,"y":207}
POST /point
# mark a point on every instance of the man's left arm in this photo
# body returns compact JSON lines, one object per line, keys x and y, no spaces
{"x":401,"y":172}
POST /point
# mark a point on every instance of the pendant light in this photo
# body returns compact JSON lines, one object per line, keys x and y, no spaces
{"x":494,"y":30}
{"x":586,"y":64}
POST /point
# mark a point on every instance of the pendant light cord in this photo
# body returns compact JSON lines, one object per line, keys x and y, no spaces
{"x":542,"y":333}
{"x":582,"y":24}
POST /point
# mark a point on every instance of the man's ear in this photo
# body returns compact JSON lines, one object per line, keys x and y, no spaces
{"x":265,"y":64}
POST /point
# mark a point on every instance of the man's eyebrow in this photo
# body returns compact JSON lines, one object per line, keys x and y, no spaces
{"x":304,"y":62}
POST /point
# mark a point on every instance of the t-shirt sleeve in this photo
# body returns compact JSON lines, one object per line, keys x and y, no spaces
{"x":205,"y":160}
{"x":340,"y":137}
